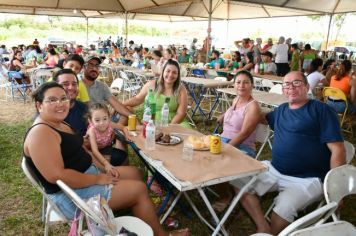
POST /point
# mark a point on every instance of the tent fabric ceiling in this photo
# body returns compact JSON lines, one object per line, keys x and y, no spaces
{"x":178,"y":10}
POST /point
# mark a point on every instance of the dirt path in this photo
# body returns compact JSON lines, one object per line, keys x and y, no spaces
{"x":15,"y":112}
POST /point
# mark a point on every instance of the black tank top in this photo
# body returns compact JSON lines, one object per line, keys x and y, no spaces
{"x":73,"y":154}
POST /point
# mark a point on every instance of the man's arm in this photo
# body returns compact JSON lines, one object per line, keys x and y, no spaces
{"x":119,"y":107}
{"x":338,"y":154}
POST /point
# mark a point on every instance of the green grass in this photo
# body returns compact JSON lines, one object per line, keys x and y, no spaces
{"x":20,"y":203}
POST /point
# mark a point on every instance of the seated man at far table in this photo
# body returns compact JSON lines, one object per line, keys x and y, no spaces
{"x":307,"y":144}
{"x":269,"y":67}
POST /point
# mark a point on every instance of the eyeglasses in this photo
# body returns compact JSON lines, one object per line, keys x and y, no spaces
{"x":294,"y":83}
{"x":67,"y":84}
{"x":89,"y":65}
{"x":57,"y":101}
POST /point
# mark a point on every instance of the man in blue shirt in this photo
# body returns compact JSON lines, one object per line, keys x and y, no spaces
{"x":307,"y":144}
{"x":76,"y":117}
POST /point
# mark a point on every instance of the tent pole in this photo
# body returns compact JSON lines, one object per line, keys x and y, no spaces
{"x":209,"y":31}
{"x":87,"y":19}
{"x":327,"y":37}
{"x":127,"y":30}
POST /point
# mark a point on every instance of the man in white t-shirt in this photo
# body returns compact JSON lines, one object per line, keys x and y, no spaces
{"x":280,"y":51}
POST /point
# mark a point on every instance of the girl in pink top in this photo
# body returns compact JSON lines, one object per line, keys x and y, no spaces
{"x":240,"y":122}
{"x":101,"y":135}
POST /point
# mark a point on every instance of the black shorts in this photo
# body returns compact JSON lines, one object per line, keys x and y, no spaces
{"x":106,"y":150}
{"x":118,"y":156}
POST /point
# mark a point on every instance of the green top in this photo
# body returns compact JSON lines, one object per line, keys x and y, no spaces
{"x":234,"y":65}
{"x":173,"y":106}
{"x":294,"y":66}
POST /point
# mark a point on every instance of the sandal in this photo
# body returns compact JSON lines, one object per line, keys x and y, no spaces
{"x":180,"y":232}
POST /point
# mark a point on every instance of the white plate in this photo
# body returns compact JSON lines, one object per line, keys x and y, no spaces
{"x":174,"y":140}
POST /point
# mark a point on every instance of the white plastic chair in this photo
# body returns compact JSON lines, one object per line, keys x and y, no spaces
{"x":50,"y":212}
{"x":130,"y":223}
{"x":267,"y":84}
{"x":277,"y":88}
{"x":329,"y":229}
{"x":257,"y":82}
{"x":338,"y":183}
{"x":130,"y":85}
{"x":183,"y":72}
{"x":317,"y":217}
{"x":350,"y":153}
{"x":263,"y":136}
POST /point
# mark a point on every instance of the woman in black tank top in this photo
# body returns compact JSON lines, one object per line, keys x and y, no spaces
{"x":55,"y":152}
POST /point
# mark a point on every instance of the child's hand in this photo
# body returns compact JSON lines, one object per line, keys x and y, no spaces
{"x":111,"y":170}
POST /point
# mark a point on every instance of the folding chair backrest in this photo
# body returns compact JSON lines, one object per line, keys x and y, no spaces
{"x":329,"y":229}
{"x":340,"y":182}
{"x":334,"y":92}
{"x":277,"y":88}
{"x":316,"y":217}
{"x":263,"y":133}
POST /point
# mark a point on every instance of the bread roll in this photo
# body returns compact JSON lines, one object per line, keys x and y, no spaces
{"x":207,"y":140}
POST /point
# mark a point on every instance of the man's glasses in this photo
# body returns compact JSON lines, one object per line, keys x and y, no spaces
{"x":67,"y":84}
{"x":294,"y":83}
{"x":57,"y":101}
{"x":97,"y":66}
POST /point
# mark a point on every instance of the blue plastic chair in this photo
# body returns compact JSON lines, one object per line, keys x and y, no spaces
{"x":198,"y":73}
{"x":18,"y":84}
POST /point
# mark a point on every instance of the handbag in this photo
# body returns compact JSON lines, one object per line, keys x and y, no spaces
{"x":101,"y":209}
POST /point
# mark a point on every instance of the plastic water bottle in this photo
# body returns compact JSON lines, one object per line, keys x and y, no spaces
{"x":146,"y":118}
{"x":262,"y":68}
{"x":165,"y":113}
{"x":150,"y":141}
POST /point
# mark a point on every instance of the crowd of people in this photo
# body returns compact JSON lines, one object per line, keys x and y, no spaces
{"x":74,"y":123}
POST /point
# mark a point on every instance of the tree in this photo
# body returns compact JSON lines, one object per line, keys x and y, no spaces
{"x":337,"y":21}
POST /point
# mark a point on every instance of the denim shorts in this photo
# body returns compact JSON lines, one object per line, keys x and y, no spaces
{"x":242,"y":147}
{"x":67,"y":207}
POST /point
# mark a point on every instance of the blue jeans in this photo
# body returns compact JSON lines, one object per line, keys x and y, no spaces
{"x":66,"y":205}
{"x":242,"y":147}
{"x":340,"y":106}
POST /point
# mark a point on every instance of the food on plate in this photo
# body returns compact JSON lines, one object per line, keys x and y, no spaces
{"x":163,"y":138}
{"x":200,"y":142}
{"x":159,"y":136}
{"x":166,"y":138}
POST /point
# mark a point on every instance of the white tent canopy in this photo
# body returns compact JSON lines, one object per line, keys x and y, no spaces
{"x":178,"y":10}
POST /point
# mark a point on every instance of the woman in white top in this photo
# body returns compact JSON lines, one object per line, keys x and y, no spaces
{"x":315,"y":76}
